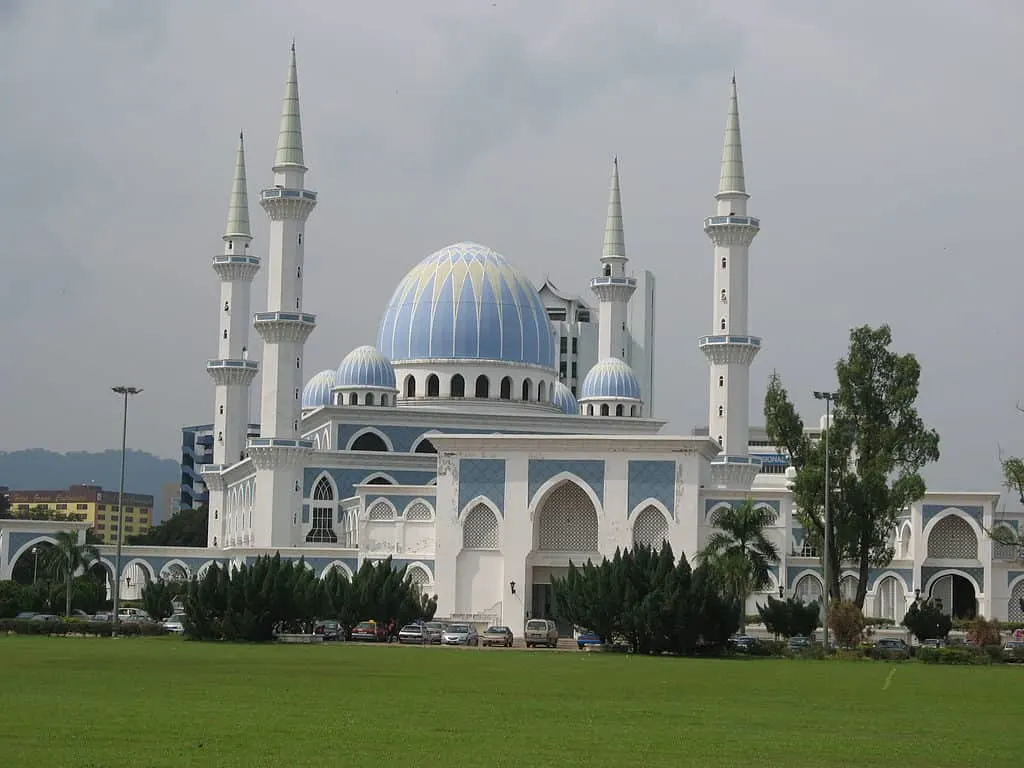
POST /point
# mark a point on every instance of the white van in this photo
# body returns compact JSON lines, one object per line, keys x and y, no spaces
{"x":541,"y":632}
{"x":127,"y":615}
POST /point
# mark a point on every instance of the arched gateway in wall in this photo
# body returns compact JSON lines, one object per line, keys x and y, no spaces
{"x":565,"y":528}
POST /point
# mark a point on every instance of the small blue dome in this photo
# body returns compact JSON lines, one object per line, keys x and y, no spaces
{"x":564,"y":399}
{"x":466,"y":302}
{"x":365,"y":367}
{"x":317,"y":391}
{"x":611,"y":378}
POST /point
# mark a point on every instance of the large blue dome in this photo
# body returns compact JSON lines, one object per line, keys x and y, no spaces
{"x":317,"y":391}
{"x":365,"y":367}
{"x":611,"y":378}
{"x":564,"y":399}
{"x":466,"y":302}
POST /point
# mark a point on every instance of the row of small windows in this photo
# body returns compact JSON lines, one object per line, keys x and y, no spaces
{"x":605,"y":410}
{"x":368,"y":399}
{"x":481,"y":387}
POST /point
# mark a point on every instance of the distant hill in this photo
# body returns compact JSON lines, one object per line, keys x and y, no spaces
{"x":39,"y":469}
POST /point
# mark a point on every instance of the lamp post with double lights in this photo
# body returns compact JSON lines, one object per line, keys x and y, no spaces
{"x":829,"y":398}
{"x":124,"y":392}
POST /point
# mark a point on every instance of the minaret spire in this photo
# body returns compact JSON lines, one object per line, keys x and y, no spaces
{"x":732,"y":180}
{"x":730,"y":349}
{"x":613,"y":288}
{"x":614,"y":238}
{"x":238,"y":208}
{"x":289,"y":138}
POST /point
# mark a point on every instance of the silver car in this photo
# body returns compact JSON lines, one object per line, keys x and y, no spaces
{"x":175,"y":624}
{"x":460,"y":634}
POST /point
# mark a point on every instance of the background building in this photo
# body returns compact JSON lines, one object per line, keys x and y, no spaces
{"x":90,"y":504}
{"x":197,"y":451}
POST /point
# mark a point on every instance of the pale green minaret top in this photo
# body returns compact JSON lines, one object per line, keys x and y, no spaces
{"x":614,"y":237}
{"x":732,"y":152}
{"x":238,"y":208}
{"x":289,"y":139}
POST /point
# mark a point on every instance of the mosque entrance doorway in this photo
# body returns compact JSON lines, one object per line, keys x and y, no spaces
{"x":956,"y":596}
{"x":542,"y":597}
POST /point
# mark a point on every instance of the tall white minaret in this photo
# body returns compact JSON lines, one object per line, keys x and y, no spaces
{"x":730,"y":349}
{"x":279,"y":453}
{"x":232,"y":372}
{"x":613,"y":288}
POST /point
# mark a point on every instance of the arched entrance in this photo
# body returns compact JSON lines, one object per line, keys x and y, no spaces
{"x":32,"y":564}
{"x":955,"y":596}
{"x":565,"y":530}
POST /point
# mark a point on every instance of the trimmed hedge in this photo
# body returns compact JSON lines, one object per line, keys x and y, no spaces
{"x":78,"y":627}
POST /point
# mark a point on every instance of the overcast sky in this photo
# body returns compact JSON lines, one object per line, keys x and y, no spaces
{"x":882,"y":147}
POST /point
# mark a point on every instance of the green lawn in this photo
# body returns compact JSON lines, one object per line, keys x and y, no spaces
{"x":166,"y":702}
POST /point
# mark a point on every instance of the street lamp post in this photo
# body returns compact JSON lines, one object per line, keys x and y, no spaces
{"x":829,"y":398}
{"x":124,"y":392}
{"x":35,"y":564}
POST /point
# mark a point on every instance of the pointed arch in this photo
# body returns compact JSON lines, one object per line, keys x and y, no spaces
{"x":382,"y":439}
{"x":338,"y":566}
{"x":457,"y":386}
{"x":420,"y":574}
{"x":175,"y":570}
{"x":378,"y":478}
{"x":527,"y":392}
{"x":978,"y":591}
{"x":808,"y":586}
{"x":482,"y":388}
{"x":542,"y":391}
{"x":202,"y":569}
{"x":956,"y":530}
{"x":410,"y":386}
{"x":381,"y":509}
{"x":41,"y":539}
{"x":433,"y":385}
{"x":419,"y":510}
{"x":650,"y":526}
{"x":323,"y":488}
{"x":505,"y":392}
{"x":480,"y":527}
{"x":423,"y":445}
{"x":710,"y":513}
{"x":143,"y":565}
{"x":565,"y":516}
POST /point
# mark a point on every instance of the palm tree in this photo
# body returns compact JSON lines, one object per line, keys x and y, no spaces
{"x":738,"y":553}
{"x":66,"y":558}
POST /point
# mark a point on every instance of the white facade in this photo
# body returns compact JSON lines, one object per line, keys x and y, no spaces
{"x":454,"y":446}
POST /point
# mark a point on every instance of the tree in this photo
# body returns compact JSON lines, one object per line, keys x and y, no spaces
{"x":790,"y":618}
{"x":5,"y":504}
{"x":877,"y":446}
{"x":847,"y":622}
{"x":738,"y":554}
{"x":926,"y":621}
{"x":66,"y":558}
{"x":185,"y":528}
{"x":984,"y":632}
{"x":158,"y":597}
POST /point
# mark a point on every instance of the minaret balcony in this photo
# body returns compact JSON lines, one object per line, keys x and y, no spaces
{"x":732,"y":230}
{"x":228,"y":372}
{"x":612,"y":288}
{"x":744,"y":221}
{"x":278,"y":453}
{"x":275,"y":193}
{"x":723,"y":349}
{"x":734,"y":472}
{"x":627,"y":281}
{"x":277,"y":327}
{"x":234,"y":268}
{"x":282,"y":203}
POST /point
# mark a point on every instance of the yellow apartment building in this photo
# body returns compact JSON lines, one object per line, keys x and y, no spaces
{"x":91,"y":504}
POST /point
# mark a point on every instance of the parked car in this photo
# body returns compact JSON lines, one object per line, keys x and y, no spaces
{"x":1013,"y":650}
{"x":412,"y":634}
{"x":129,"y":615}
{"x":541,"y":632}
{"x":370,"y":632}
{"x":105,"y":616}
{"x":587,"y":638}
{"x":25,"y":616}
{"x":799,"y":643}
{"x":501,"y":636}
{"x":175,"y":624}
{"x":46,"y":617}
{"x":329,"y":628}
{"x":892,"y":648}
{"x":742,"y":643}
{"x":433,"y":631}
{"x":933,"y":642}
{"x":460,"y":634}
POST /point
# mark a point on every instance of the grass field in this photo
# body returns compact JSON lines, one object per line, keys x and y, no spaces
{"x":165,"y":702}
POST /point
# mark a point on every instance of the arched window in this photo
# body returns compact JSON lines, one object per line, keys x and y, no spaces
{"x":225,"y":333}
{"x":369,"y":441}
{"x":720,"y":441}
{"x":480,"y":529}
{"x":725,"y":262}
{"x":322,"y":530}
{"x":369,"y":398}
{"x":721,"y":411}
{"x":618,"y":409}
{"x":483,"y":386}
{"x":433,"y":385}
{"x":226,"y":306}
{"x":590,"y":410}
{"x":353,"y":398}
{"x":723,"y":324}
{"x":458,"y":386}
{"x":424,"y":446}
{"x":378,"y":480}
{"x":632,"y":410}
{"x":723,"y":296}
{"x":410,"y":386}
{"x":604,"y":409}
{"x":527,"y":390}
{"x":506,"y":389}
{"x":721,"y":381}
{"x":542,"y":392}
{"x":383,"y":399}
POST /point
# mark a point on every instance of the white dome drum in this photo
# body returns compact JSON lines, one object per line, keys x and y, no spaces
{"x":365,"y":368}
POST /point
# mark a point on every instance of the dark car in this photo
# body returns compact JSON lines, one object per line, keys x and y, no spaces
{"x":891,"y":648}
{"x":497,"y":635}
{"x":1013,"y":651}
{"x":742,"y":643}
{"x":329,"y":629}
{"x":799,"y":643}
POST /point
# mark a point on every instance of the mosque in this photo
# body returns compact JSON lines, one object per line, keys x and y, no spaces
{"x":462,"y":445}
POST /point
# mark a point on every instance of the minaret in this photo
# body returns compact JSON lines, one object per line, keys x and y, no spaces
{"x":232,"y":372}
{"x":730,"y":349}
{"x":613,"y":288}
{"x":279,"y":453}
